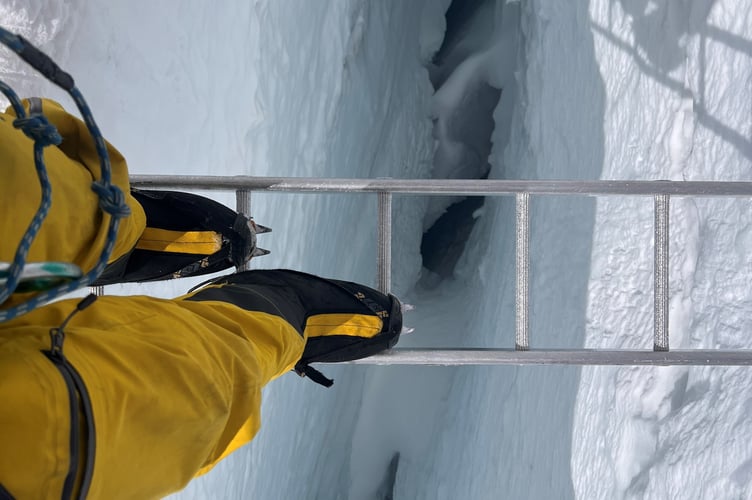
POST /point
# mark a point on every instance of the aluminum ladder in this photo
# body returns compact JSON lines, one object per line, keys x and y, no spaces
{"x":521,"y":354}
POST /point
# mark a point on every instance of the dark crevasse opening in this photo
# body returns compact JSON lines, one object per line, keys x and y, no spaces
{"x":443,"y":243}
{"x":464,"y":104}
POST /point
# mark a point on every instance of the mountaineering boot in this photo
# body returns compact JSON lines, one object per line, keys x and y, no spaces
{"x":340,"y":320}
{"x":185,"y":235}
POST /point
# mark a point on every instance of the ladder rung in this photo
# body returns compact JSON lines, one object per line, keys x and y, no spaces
{"x":522,"y":272}
{"x":384,"y":257}
{"x":660,"y":273}
{"x":243,"y":206}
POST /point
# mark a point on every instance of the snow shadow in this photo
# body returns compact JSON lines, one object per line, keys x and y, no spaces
{"x":662,"y":32}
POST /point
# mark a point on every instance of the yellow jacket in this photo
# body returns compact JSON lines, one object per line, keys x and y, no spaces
{"x":75,"y":229}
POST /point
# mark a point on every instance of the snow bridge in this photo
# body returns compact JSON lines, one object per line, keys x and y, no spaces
{"x":522,"y":190}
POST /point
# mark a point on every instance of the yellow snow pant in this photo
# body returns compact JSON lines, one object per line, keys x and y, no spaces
{"x":174,"y":385}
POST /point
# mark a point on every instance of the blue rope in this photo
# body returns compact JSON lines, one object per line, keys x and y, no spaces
{"x":38,"y":128}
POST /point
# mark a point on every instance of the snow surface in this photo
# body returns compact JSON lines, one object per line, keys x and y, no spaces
{"x":590,"y":90}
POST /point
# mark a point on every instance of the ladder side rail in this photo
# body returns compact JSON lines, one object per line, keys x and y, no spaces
{"x":486,"y":357}
{"x":479,"y":187}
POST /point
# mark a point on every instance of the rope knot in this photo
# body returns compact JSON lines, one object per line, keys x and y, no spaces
{"x":38,"y":129}
{"x":111,"y":199}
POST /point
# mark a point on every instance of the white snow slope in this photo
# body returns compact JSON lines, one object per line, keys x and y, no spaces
{"x":678,"y":78}
{"x":591,"y":90}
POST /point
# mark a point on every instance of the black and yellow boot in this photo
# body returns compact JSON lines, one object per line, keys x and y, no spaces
{"x":185,"y":235}
{"x":340,"y":320}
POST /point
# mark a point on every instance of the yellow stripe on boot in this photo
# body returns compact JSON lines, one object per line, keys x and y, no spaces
{"x":351,"y":324}
{"x":190,"y":242}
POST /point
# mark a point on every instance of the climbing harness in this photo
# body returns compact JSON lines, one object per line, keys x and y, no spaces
{"x":37,"y":127}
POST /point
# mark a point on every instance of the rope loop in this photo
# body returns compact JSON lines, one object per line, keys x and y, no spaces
{"x":111,"y":199}
{"x":38,"y":129}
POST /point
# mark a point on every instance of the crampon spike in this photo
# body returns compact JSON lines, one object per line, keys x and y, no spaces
{"x":261,"y":229}
{"x":259,"y":252}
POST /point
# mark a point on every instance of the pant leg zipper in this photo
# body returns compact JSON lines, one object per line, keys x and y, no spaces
{"x":78,"y":396}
